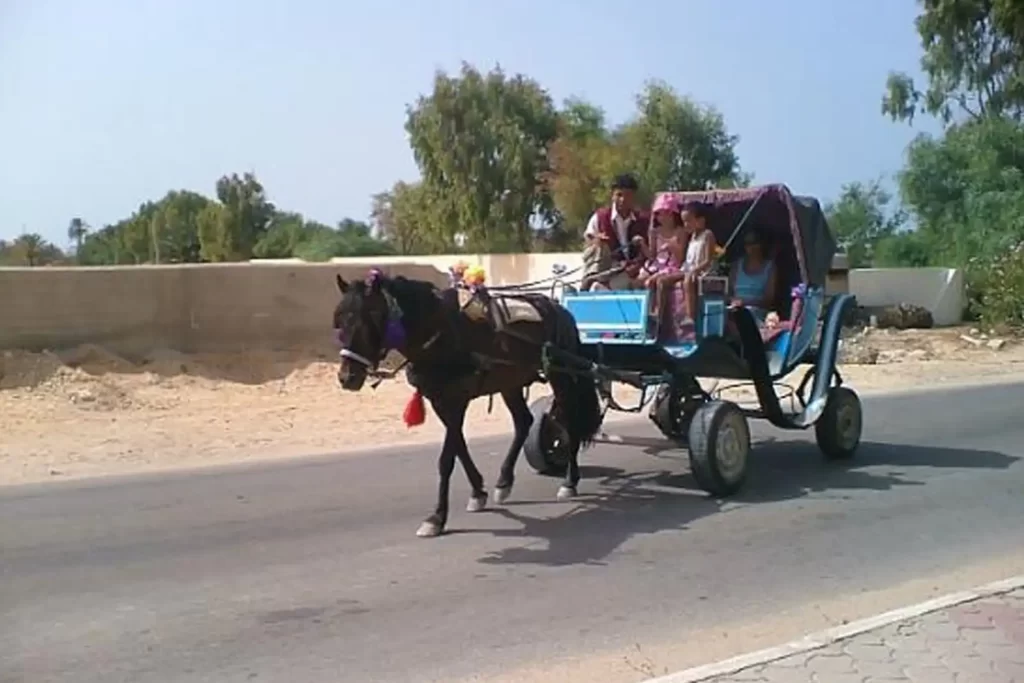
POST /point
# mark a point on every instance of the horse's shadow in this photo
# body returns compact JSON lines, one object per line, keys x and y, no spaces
{"x":665,"y":500}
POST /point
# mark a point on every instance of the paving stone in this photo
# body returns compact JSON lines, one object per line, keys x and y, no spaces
{"x":978,"y":642}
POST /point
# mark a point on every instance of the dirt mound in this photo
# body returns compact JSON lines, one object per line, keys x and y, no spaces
{"x":87,"y":377}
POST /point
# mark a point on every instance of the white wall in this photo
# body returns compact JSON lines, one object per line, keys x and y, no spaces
{"x":940,"y":290}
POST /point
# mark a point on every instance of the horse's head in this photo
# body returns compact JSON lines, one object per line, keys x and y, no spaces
{"x":367,"y":324}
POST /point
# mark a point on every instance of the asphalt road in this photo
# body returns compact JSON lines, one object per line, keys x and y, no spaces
{"x":310,"y":571}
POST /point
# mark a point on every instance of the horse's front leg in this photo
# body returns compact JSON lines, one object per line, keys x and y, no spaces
{"x":452,"y":416}
{"x":522,"y":421}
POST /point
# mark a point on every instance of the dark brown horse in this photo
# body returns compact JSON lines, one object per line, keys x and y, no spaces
{"x":452,"y":360}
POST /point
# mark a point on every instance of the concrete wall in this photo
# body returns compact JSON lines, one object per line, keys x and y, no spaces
{"x":134,"y":309}
{"x":940,"y":290}
{"x":287,"y":304}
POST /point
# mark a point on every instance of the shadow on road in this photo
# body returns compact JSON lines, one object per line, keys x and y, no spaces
{"x":663,"y":500}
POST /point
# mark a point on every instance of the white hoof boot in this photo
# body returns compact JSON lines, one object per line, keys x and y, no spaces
{"x":476,"y":504}
{"x":565,"y":493}
{"x":501,"y":495}
{"x":428,"y":530}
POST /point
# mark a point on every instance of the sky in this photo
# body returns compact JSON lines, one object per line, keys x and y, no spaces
{"x":105,"y":104}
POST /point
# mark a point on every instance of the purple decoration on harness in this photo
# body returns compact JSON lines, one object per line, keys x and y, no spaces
{"x":394,"y":334}
{"x":375,"y":275}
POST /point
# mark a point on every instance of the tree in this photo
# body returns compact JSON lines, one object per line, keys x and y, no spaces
{"x":405,"y":218}
{"x":966,"y":190}
{"x":30,"y":249}
{"x":230,"y":232}
{"x":860,"y":219}
{"x":77,"y":230}
{"x":676,"y":144}
{"x":481,"y":142}
{"x":973,"y":61}
{"x":582,"y":160}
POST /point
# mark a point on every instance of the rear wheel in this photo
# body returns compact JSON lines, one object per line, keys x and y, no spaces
{"x":672,"y":412}
{"x":838,"y":430}
{"x":719,"y":439}
{"x":547,"y":444}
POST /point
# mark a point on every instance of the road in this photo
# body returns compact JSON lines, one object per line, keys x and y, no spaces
{"x":309,"y":570}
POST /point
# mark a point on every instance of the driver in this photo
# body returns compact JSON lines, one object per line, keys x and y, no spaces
{"x":616,"y":235}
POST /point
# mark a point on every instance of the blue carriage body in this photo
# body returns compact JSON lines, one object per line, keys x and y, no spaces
{"x":620,"y":319}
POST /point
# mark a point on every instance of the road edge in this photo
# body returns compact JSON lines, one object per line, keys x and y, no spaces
{"x":822,"y":639}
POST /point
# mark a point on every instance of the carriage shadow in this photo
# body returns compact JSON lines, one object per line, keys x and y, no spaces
{"x":664,"y":500}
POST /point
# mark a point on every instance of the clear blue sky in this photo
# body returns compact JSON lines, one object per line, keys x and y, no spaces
{"x":105,"y":103}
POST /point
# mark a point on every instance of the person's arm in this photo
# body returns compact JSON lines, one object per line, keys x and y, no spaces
{"x":707,"y":254}
{"x":769,"y":288}
{"x":735,"y":300}
{"x":590,"y":232}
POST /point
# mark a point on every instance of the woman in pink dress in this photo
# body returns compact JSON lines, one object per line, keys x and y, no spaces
{"x":663,"y":270}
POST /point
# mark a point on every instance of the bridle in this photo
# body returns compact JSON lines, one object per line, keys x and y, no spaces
{"x":393,"y":335}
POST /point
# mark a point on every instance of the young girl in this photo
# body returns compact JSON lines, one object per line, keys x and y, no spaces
{"x":699,"y":254}
{"x":662,"y":271}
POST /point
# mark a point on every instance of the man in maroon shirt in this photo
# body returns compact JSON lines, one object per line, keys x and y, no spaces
{"x":615,"y":236}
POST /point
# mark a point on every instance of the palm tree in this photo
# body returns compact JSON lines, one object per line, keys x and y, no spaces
{"x":77,"y":230}
{"x":30,"y":247}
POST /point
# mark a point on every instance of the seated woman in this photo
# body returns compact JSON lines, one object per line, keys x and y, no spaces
{"x":663,"y":269}
{"x":753,"y":279}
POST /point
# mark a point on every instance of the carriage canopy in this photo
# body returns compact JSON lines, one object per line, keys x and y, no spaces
{"x":800,"y":237}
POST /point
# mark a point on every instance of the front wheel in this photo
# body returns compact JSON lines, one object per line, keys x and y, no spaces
{"x":547,"y":444}
{"x":839,"y":427}
{"x":719,"y":447}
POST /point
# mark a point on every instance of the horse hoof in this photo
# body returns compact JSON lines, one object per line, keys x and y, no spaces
{"x":566,"y":493}
{"x":429,"y":530}
{"x":476,"y":504}
{"x":501,"y":495}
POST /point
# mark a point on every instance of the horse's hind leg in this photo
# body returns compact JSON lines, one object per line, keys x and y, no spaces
{"x":522,"y":420}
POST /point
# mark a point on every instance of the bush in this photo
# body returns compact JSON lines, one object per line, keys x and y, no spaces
{"x":995,"y":289}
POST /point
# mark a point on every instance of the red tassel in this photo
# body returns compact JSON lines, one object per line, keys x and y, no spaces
{"x":415,"y":412}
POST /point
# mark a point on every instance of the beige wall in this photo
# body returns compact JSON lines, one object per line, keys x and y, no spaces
{"x":287,"y":304}
{"x":134,"y":309}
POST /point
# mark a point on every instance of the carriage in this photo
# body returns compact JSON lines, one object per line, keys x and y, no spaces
{"x":618,"y":346}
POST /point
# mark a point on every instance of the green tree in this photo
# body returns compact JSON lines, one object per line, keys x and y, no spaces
{"x":230,"y":232}
{"x":30,"y":249}
{"x":405,"y":218}
{"x":973,"y":61}
{"x":965,"y":190}
{"x":582,"y":159}
{"x":676,"y":144}
{"x":860,"y":218}
{"x":77,"y":230}
{"x":480,"y":141}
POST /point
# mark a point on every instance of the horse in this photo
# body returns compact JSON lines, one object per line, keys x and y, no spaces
{"x":452,"y":360}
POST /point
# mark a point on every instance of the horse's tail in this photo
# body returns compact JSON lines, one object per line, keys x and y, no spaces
{"x":577,"y":396}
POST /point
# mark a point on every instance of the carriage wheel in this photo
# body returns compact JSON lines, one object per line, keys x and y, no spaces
{"x":547,"y":445}
{"x":719,"y":447}
{"x":672,"y":413}
{"x":838,"y":429}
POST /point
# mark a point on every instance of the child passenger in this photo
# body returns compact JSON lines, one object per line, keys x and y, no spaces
{"x":663,"y":270}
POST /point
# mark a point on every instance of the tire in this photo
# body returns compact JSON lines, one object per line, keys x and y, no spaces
{"x":719,"y":439}
{"x":671,"y":415}
{"x":546,"y":447}
{"x":838,"y":429}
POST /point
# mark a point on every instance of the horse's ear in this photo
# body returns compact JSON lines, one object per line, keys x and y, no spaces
{"x":342,"y":285}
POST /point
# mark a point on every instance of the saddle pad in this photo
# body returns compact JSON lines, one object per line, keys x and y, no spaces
{"x":512,"y":310}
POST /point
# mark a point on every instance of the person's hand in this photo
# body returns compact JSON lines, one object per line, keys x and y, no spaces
{"x":652,"y":280}
{"x":633,"y":270}
{"x":736,"y":303}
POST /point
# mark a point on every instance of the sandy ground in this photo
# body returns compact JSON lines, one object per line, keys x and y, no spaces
{"x":88,"y":412}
